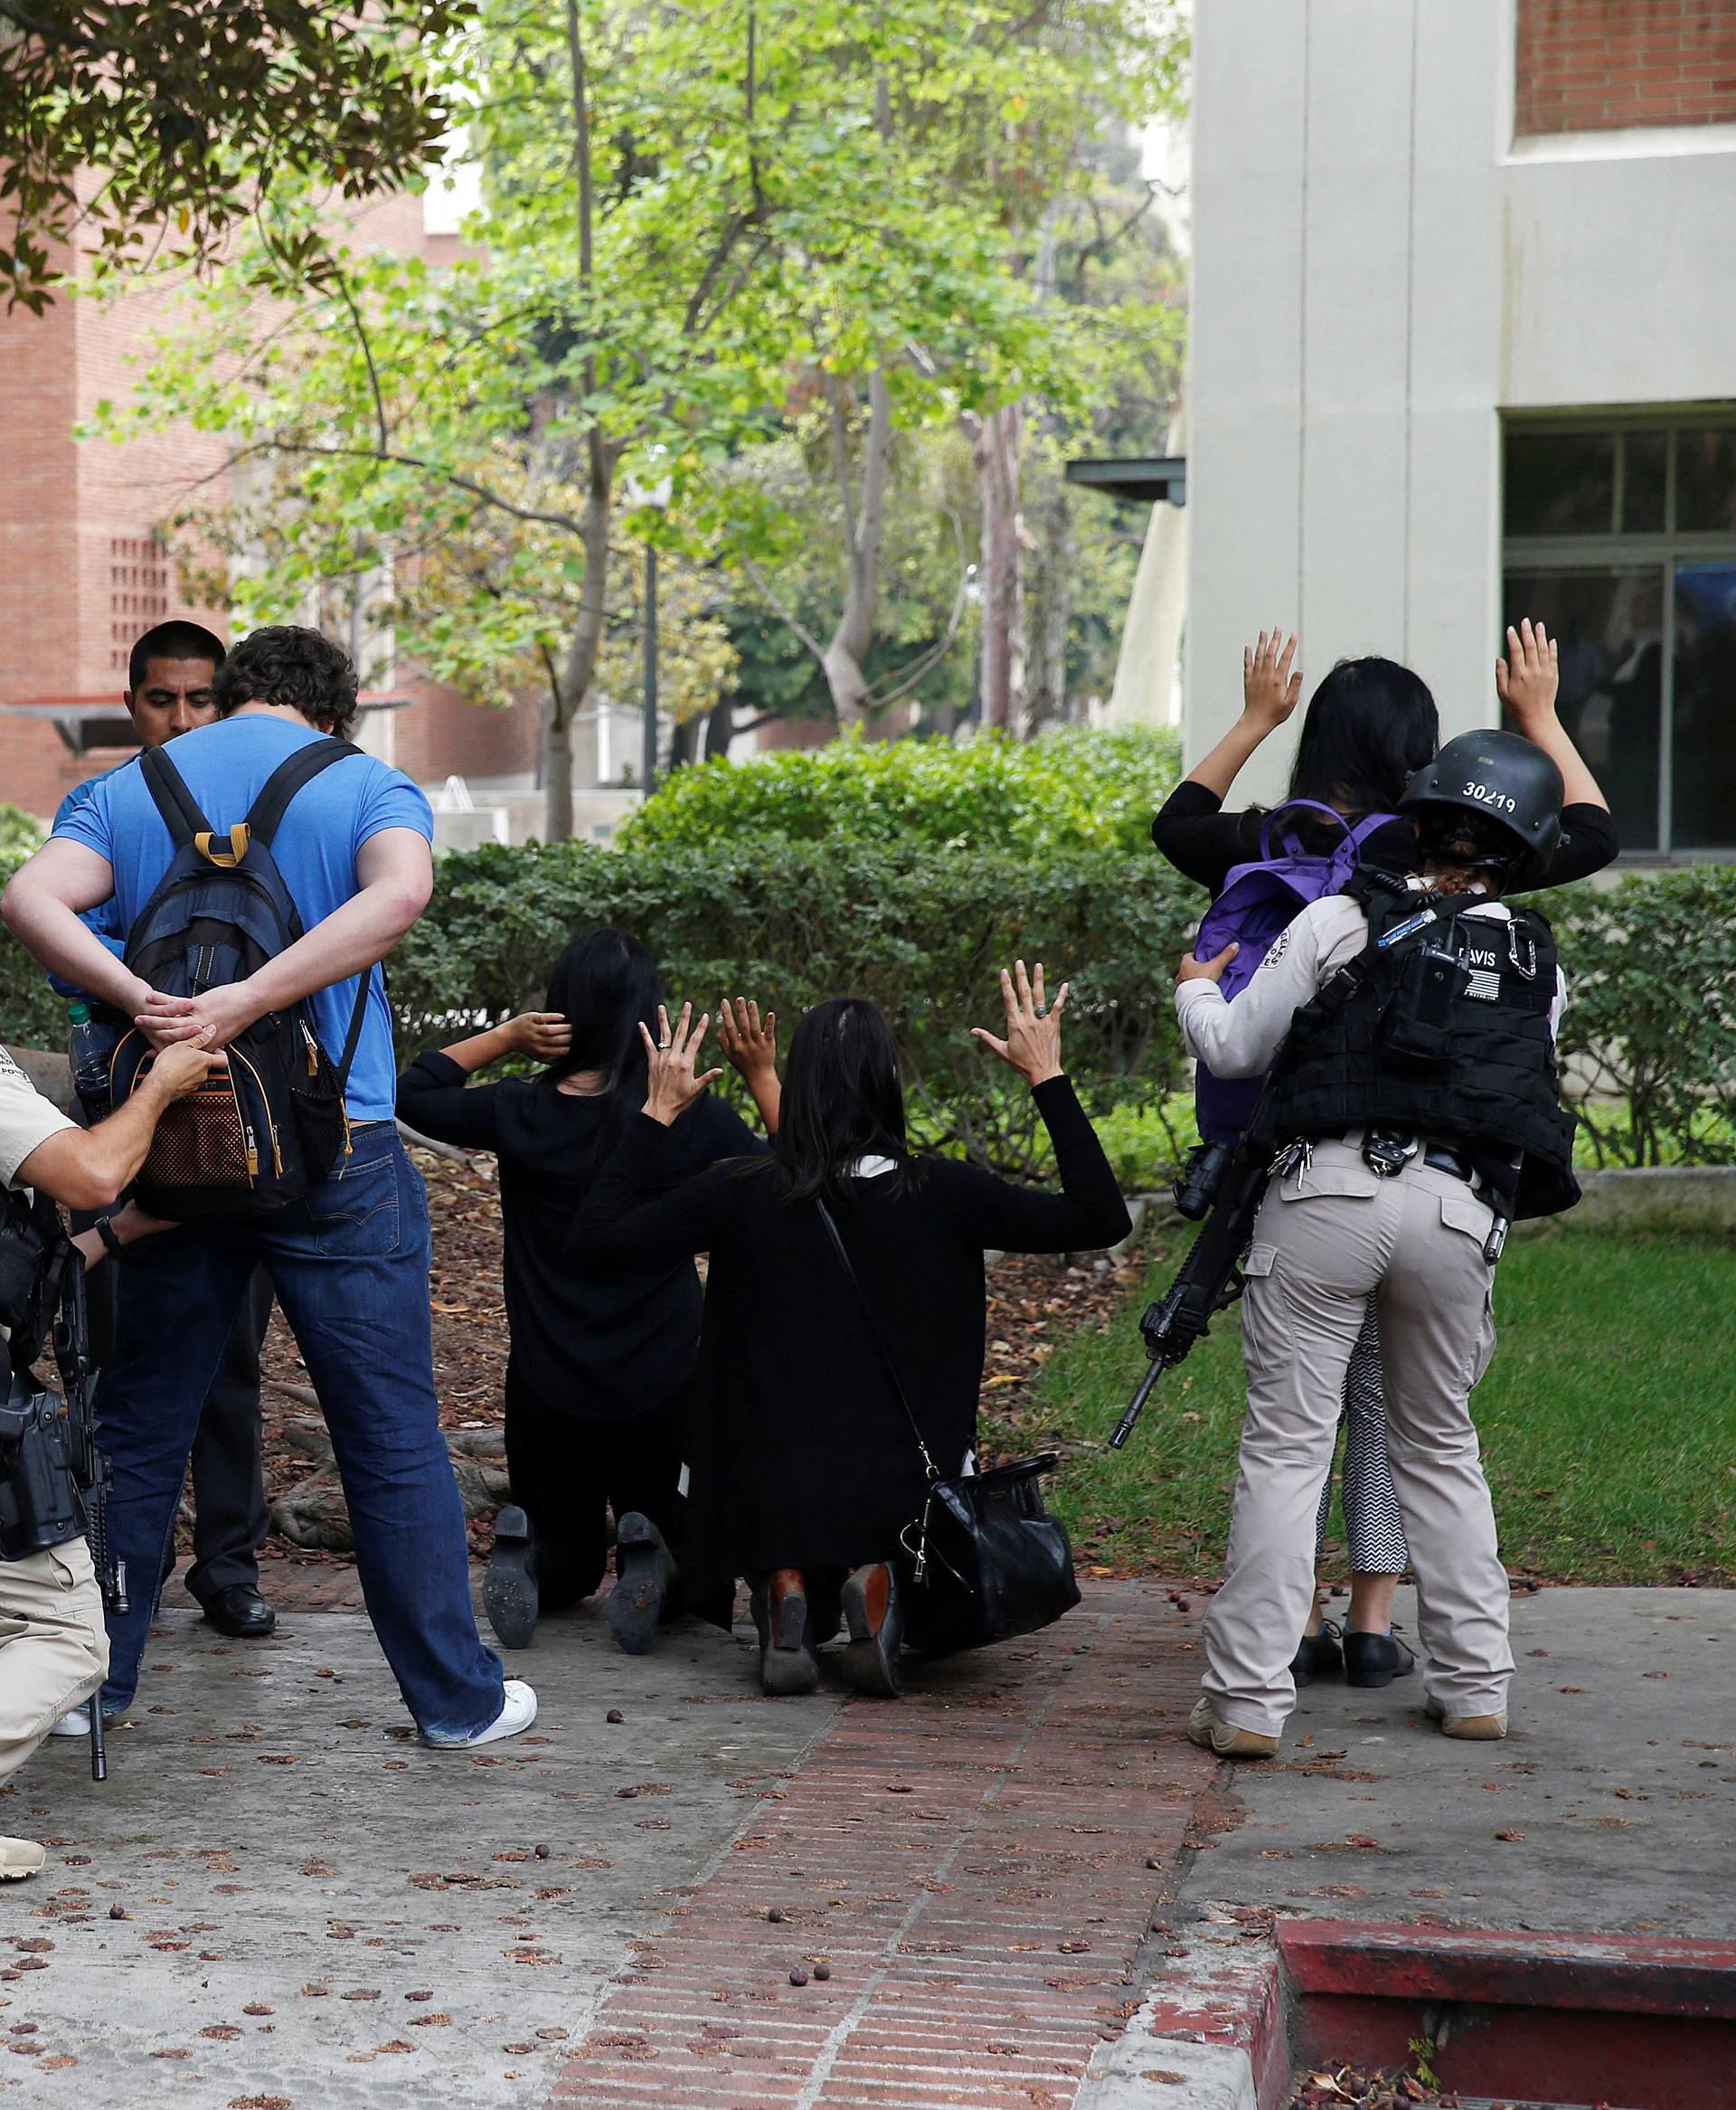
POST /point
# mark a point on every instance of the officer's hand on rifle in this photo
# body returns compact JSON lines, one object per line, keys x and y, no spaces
{"x":1188,"y":968}
{"x":1033,"y":1043}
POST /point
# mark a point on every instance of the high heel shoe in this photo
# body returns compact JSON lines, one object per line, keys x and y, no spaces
{"x":788,"y":1664}
{"x":875,"y":1618}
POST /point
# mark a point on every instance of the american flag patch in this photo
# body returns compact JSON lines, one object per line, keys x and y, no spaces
{"x":1486,"y":984}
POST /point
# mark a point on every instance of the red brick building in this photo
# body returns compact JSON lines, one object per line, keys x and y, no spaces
{"x":83,"y":570}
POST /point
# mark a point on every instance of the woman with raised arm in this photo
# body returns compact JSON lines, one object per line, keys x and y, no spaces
{"x":1370,"y":724}
{"x":805,"y":1473}
{"x":600,"y":1368}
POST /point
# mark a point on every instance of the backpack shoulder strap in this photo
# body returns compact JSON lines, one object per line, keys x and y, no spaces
{"x":174,"y":802}
{"x":1292,"y":805}
{"x":266,"y":811}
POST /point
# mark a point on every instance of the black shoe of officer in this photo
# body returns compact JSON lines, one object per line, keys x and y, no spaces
{"x":1318,"y":1655}
{"x":509,"y":1591}
{"x":1375,"y":1658}
{"x":240,"y":1613}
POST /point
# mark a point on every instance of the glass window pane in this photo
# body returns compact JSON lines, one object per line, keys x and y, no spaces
{"x":1642,"y":481}
{"x":1706,"y":480}
{"x":1609,"y":626}
{"x":1561,"y":483}
{"x":1702,"y":758}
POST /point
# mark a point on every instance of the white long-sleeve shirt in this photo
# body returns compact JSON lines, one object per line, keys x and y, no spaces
{"x":1238,"y":1037}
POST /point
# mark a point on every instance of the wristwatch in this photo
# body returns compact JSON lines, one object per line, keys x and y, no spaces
{"x":104,"y":1228}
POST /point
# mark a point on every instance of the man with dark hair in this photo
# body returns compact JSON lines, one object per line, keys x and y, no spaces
{"x":171,"y":672}
{"x":349,"y":1260}
{"x":294,"y":670}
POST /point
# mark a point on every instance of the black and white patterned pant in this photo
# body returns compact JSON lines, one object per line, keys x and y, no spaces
{"x":1373,"y":1524}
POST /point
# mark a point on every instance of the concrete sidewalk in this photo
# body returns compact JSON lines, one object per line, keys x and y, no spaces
{"x":280,"y":1902}
{"x":1610,"y":1807}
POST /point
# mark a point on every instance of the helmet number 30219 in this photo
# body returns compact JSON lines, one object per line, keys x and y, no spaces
{"x":1486,"y":795}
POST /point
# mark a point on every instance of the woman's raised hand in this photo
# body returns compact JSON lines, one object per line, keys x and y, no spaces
{"x":1526,"y":680}
{"x":746,"y":1043}
{"x":1269,"y":690}
{"x":671,"y":1085}
{"x":1033,"y":1043}
{"x":545,"y":1035}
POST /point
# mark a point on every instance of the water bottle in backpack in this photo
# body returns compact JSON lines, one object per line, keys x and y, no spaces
{"x":90,"y":1045}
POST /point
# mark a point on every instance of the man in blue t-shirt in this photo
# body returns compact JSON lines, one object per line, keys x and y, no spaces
{"x":169,"y":676}
{"x":350,"y":1261}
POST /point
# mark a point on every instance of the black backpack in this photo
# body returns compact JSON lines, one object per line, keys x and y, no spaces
{"x":270,"y":1129}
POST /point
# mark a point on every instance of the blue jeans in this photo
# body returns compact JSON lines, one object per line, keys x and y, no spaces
{"x":350,"y":1267}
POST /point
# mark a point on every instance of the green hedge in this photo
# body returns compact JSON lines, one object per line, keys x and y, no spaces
{"x":1650,"y":1031}
{"x":1649,"y":1037}
{"x":1072,"y":788}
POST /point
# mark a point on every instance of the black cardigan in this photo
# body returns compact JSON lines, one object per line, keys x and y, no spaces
{"x":801,"y":1456}
{"x":1203,"y":842}
{"x":596,"y":1346}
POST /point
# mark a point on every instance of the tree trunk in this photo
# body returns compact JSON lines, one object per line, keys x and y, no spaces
{"x":864,"y":529}
{"x":557,"y":775}
{"x":997,"y":440}
{"x":1052,"y":602}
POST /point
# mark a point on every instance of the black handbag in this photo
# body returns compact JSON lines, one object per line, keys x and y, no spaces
{"x":985,"y":1560}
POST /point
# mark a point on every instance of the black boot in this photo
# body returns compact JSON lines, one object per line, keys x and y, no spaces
{"x":1375,"y":1658}
{"x":509,"y":1594}
{"x":788,"y":1664}
{"x":645,"y":1575}
{"x":1318,"y":1655}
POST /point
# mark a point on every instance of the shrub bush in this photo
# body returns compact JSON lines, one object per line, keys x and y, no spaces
{"x":1072,"y":788}
{"x":1649,"y":1035}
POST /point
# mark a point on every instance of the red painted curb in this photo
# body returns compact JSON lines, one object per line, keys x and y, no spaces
{"x":1619,"y":1973}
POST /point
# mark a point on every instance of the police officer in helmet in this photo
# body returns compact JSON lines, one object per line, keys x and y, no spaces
{"x":1415,"y":1109}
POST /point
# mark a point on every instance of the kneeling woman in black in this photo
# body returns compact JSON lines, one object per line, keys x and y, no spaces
{"x":598,"y":1371}
{"x":804,"y":1469}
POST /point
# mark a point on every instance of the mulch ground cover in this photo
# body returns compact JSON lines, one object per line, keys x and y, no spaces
{"x":1035,"y":1302}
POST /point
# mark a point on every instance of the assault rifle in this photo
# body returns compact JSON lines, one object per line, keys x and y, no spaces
{"x":1208,"y":1280}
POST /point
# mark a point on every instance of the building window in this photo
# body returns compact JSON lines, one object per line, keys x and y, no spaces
{"x":1622,"y":538}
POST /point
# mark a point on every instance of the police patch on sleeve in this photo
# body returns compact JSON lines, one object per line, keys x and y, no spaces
{"x":1279,"y":946}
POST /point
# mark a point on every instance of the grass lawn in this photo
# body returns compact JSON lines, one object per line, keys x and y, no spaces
{"x":1608,"y":1420}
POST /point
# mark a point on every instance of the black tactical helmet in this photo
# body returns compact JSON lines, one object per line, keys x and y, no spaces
{"x":1503,"y":779}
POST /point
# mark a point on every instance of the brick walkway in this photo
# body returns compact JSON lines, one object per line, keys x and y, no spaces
{"x":975,"y":1868}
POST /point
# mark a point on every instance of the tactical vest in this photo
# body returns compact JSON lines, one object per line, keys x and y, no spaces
{"x":1444,"y":1034}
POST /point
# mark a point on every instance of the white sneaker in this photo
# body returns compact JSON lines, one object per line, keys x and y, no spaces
{"x":517,"y":1712}
{"x":76,"y":1721}
{"x":20,"y":1857}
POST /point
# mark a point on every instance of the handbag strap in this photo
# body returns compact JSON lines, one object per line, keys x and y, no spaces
{"x":878,"y":1339}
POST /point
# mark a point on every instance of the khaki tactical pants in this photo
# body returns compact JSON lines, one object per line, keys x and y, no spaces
{"x":53,"y":1647}
{"x":1328,"y":1239}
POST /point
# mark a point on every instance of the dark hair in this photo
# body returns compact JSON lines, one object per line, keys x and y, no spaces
{"x":286,"y":663}
{"x":842,"y":1102}
{"x":1368,"y":725}
{"x":1463,"y":844}
{"x":175,"y":640}
{"x":603,"y":985}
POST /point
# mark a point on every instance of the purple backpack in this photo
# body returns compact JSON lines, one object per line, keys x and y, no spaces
{"x":1258,"y":901}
